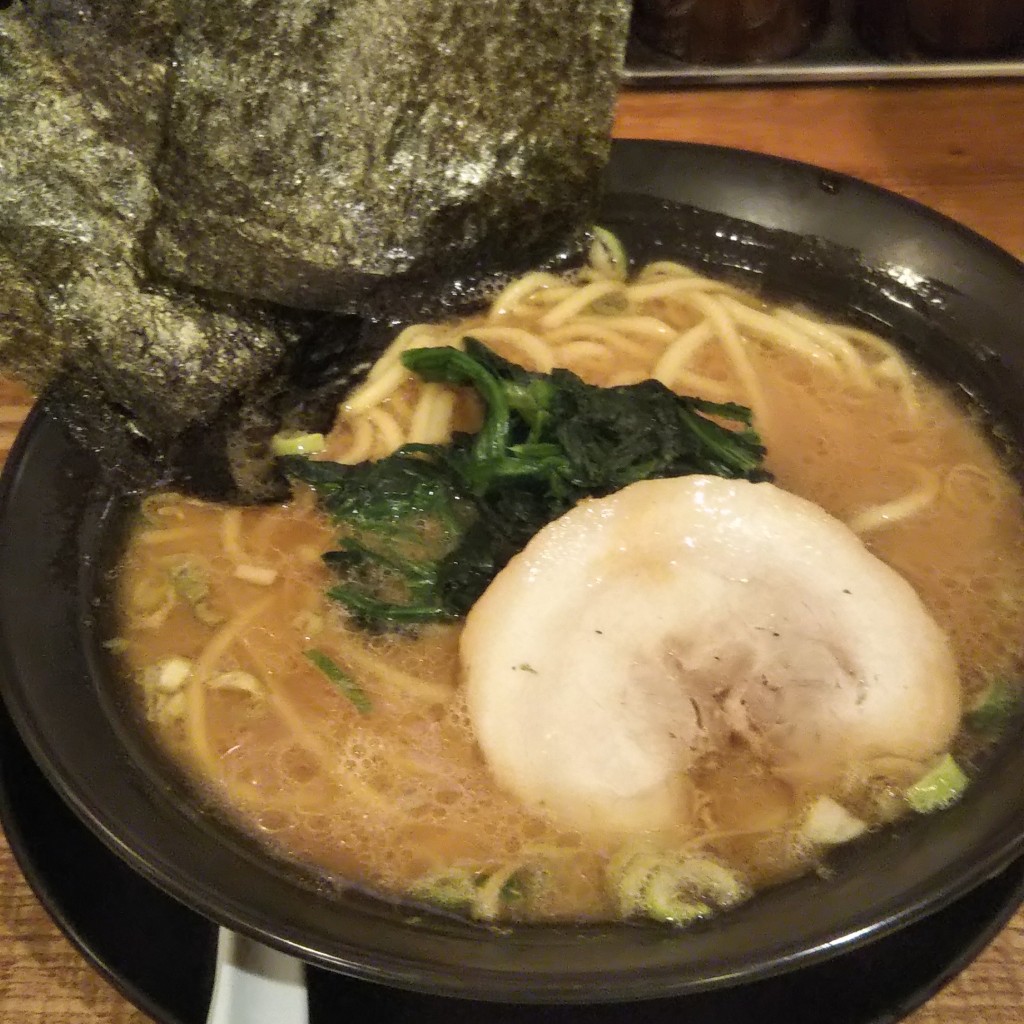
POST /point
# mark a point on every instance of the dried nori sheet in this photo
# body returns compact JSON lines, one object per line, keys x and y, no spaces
{"x":25,"y":329}
{"x":76,"y":195}
{"x":116,"y":52}
{"x":321,"y":152}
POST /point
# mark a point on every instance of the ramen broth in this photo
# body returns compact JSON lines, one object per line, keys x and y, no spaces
{"x":231,"y":599}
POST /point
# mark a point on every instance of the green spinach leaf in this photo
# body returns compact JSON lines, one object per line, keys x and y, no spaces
{"x":423,"y":531}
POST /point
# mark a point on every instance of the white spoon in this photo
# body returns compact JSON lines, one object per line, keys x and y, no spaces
{"x":253,"y":984}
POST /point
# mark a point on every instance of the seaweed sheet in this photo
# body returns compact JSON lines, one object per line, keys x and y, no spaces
{"x":321,"y":152}
{"x":369,"y":154}
{"x":80,"y":118}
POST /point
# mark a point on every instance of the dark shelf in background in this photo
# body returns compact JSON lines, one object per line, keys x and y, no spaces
{"x":837,"y":55}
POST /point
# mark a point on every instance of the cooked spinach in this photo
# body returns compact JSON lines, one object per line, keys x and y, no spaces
{"x":423,"y":531}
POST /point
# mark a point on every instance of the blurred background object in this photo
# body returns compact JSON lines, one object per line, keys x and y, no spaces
{"x":943,"y":28}
{"x":729,"y":31}
{"x":680,"y":43}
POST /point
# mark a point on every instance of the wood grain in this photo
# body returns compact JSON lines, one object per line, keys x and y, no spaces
{"x":957,"y":148}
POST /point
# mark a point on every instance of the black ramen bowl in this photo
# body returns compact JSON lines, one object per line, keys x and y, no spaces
{"x":952,"y":300}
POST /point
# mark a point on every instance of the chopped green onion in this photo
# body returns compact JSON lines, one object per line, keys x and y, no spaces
{"x":828,"y":823}
{"x":608,"y":254}
{"x":995,"y":707}
{"x":664,"y":901}
{"x":454,"y":890}
{"x":167,"y":675}
{"x":191,"y":583}
{"x":344,"y":682}
{"x":297,"y":444}
{"x":482,"y":893}
{"x":509,"y":884}
{"x":243,"y":682}
{"x":673,"y":888}
{"x":940,"y":786}
{"x":519,"y":885}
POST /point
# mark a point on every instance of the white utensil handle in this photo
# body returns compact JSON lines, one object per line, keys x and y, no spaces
{"x":256,"y":985}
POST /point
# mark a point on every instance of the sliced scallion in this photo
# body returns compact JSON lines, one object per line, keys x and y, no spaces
{"x":297,"y":444}
{"x":341,"y":679}
{"x":993,"y":710}
{"x":943,"y":784}
{"x":828,"y":823}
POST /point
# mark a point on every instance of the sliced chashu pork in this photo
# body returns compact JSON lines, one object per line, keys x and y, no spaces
{"x":639,"y":631}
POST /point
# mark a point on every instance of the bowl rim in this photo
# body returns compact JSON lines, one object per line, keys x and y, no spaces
{"x":888,"y":234}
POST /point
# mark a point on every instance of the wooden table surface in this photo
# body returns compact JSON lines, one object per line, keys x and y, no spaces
{"x":957,"y":148}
